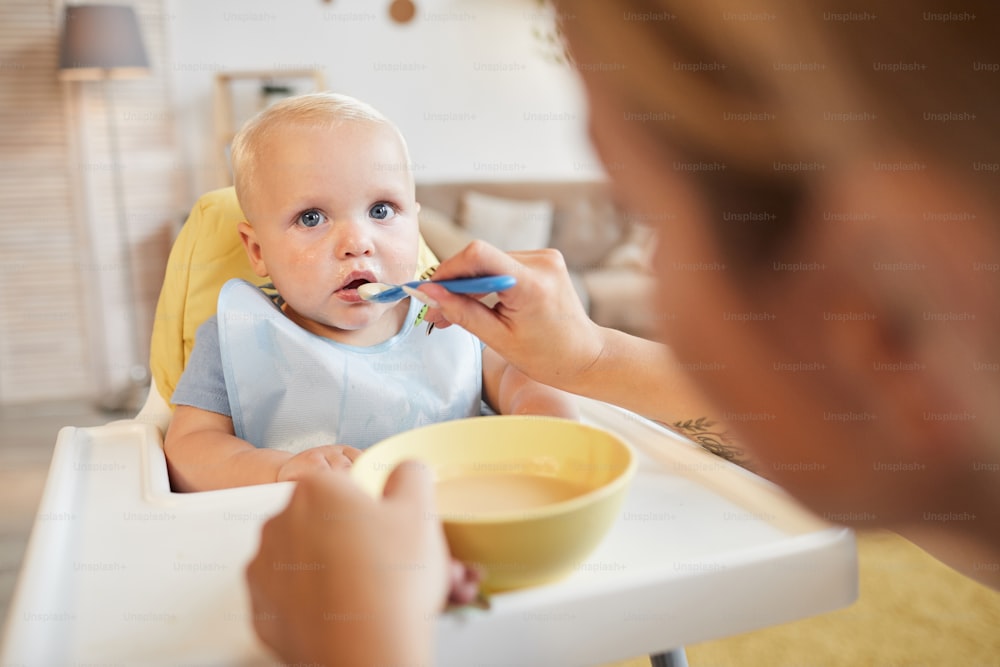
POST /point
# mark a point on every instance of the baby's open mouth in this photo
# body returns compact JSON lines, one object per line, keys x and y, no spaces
{"x":355,"y":284}
{"x":352,"y":281}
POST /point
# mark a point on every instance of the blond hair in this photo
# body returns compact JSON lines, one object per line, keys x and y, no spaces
{"x":780,"y":90}
{"x":804,"y":63}
{"x":313,"y":110}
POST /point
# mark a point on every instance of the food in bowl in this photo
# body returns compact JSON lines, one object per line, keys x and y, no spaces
{"x":526,"y":499}
{"x":504,"y":492}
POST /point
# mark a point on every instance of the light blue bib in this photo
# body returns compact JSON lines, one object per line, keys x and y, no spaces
{"x":290,"y":389}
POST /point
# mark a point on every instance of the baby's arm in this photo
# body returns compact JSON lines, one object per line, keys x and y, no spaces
{"x":511,"y":392}
{"x":203,"y":453}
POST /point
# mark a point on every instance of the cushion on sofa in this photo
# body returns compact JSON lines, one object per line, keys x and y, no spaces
{"x":624,"y":299}
{"x":509,"y":224}
{"x":442,"y":233}
{"x":635,"y":251}
{"x":608,"y":260}
{"x":586,"y":227}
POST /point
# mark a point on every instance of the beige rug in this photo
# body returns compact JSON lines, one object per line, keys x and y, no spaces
{"x":912,"y":612}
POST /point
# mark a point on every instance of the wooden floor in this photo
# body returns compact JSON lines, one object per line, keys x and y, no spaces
{"x":27,"y":438}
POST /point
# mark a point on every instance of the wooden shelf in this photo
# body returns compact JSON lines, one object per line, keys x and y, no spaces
{"x":238,"y":96}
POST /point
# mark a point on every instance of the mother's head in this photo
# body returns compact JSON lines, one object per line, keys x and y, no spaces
{"x":824,"y":180}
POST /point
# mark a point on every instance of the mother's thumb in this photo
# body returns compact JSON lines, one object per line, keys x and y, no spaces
{"x":410,"y":482}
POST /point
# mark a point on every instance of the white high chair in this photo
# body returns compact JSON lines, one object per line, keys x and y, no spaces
{"x":120,"y":570}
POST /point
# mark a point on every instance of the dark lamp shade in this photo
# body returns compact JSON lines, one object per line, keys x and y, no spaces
{"x":101,"y":41}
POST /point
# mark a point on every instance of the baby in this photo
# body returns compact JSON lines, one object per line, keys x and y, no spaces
{"x":278,"y":386}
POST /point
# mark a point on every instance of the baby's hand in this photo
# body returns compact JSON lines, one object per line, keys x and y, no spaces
{"x":463,"y":583}
{"x":325,"y":457}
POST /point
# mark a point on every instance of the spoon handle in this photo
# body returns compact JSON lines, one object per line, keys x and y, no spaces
{"x":478,"y":285}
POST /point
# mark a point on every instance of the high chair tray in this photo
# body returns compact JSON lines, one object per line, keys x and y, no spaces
{"x":121,"y":571}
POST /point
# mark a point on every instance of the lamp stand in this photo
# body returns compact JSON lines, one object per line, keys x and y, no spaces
{"x":130,"y":397}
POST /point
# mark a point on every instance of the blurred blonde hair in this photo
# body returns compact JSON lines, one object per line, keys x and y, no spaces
{"x":817,"y":80}
{"x":754,"y":105}
{"x":313,"y":110}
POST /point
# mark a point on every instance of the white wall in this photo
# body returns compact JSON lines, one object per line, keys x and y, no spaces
{"x":475,"y":91}
{"x":64,"y":325}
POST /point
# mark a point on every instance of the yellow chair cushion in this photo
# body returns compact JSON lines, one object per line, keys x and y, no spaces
{"x":208,"y":252}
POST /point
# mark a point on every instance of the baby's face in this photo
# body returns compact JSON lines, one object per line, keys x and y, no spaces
{"x":330,"y":210}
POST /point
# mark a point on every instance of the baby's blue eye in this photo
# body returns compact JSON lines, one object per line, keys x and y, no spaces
{"x":311,"y":218}
{"x":382,"y":211}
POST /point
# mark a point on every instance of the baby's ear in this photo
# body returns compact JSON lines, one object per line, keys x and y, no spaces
{"x":249,"y":237}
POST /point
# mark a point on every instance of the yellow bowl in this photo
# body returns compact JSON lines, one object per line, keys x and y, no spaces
{"x":526,"y":499}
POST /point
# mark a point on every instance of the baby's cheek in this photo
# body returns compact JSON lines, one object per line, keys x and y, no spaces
{"x":403,"y":252}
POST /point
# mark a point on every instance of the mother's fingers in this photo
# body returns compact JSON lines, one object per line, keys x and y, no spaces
{"x":410,"y":483}
{"x":465,"y":311}
{"x":539,"y":275}
{"x":539,"y":314}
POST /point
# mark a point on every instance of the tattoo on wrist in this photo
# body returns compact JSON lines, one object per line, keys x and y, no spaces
{"x":705,"y":432}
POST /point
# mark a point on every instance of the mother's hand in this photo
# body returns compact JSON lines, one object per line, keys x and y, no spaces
{"x":343,"y":578}
{"x":539,"y":325}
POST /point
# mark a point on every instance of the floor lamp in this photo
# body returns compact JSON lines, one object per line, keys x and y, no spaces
{"x":99,"y":43}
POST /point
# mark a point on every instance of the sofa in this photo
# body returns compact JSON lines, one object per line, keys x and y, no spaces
{"x":609,"y":254}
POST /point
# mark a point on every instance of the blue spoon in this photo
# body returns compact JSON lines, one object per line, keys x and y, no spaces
{"x":384,"y":293}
